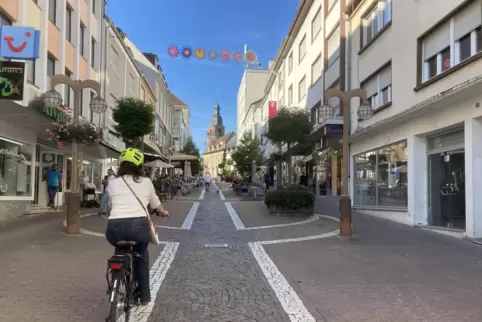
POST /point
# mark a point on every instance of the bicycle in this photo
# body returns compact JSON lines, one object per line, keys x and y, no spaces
{"x":122,"y":286}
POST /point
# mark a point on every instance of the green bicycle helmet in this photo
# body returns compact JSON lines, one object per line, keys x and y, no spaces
{"x":132,"y":155}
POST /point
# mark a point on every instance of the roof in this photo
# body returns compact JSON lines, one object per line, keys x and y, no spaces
{"x":177,"y":101}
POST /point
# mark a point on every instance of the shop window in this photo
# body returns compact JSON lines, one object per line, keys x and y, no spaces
{"x":381,"y":177}
{"x":15,"y":168}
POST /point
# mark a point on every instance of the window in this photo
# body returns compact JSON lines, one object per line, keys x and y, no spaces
{"x":334,"y":46}
{"x":91,"y":116}
{"x":82,"y":40}
{"x":302,"y":88}
{"x":53,"y":11}
{"x":290,"y":63}
{"x":381,"y":177}
{"x":31,"y":71}
{"x":4,"y":21}
{"x":50,"y":69}
{"x":379,"y":88}
{"x":92,"y":54}
{"x":68,"y":96}
{"x":316,"y":70}
{"x":376,"y":20}
{"x":16,"y":170}
{"x":302,"y":49}
{"x":463,"y":40}
{"x":93,"y":6}
{"x":281,"y":79}
{"x":478,"y":34}
{"x":114,"y":63}
{"x":290,"y":95}
{"x":68,"y":24}
{"x":316,"y":25}
{"x":143,"y":94}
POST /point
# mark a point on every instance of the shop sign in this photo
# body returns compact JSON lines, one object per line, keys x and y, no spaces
{"x":18,"y":42}
{"x":272,"y":107}
{"x":58,"y":113}
{"x":11,"y":80}
{"x":333,"y":130}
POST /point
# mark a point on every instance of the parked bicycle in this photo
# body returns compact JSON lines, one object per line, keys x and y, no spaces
{"x":122,"y":286}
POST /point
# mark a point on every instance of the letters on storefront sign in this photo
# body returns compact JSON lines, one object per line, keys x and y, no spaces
{"x":11,"y":80}
{"x":56,"y":114}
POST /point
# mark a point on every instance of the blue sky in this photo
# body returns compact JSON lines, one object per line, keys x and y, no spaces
{"x":209,"y":24}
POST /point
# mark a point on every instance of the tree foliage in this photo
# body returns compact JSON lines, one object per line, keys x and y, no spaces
{"x":247,"y":151}
{"x":289,"y":126}
{"x":134,"y":117}
{"x":190,"y":148}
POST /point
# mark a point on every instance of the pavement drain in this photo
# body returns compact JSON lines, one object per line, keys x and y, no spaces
{"x":216,"y":245}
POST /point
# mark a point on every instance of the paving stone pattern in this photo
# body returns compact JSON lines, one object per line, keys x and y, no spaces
{"x":215,"y":283}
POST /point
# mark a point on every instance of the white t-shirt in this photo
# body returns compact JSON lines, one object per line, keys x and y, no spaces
{"x":207,"y":178}
{"x":124,"y":204}
{"x":109,"y":179}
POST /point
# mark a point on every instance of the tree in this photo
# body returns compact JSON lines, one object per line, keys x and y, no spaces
{"x":247,"y":151}
{"x":190,"y":148}
{"x":135,"y":119}
{"x":289,"y":126}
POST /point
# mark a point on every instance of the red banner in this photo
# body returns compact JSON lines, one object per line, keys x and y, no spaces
{"x":272,"y":107}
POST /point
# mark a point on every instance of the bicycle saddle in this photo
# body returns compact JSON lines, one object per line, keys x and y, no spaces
{"x":126,"y":243}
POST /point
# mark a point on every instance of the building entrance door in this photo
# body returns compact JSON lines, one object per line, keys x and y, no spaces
{"x":447,"y":187}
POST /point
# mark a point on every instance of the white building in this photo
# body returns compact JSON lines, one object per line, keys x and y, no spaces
{"x":180,"y":123}
{"x":250,"y":91}
{"x":417,"y":160}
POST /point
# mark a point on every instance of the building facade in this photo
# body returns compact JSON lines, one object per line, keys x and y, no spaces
{"x":417,"y":160}
{"x":71,"y":32}
{"x":250,"y":90}
{"x":149,"y":66}
{"x":180,"y":123}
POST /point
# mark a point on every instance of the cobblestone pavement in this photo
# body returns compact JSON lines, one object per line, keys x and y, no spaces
{"x":47,"y":276}
{"x":215,"y":283}
{"x":387,"y":272}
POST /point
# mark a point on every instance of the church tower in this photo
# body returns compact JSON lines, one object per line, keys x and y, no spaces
{"x":216,"y":130}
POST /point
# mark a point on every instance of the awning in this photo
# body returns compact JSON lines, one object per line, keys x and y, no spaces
{"x":158,"y":164}
{"x":183,"y":157}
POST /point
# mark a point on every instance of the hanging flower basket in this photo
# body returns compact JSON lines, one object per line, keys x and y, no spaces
{"x":62,"y":133}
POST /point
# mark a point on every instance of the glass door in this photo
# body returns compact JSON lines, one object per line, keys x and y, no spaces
{"x":447,"y":189}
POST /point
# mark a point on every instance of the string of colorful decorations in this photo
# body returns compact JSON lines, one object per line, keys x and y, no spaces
{"x":186,"y":52}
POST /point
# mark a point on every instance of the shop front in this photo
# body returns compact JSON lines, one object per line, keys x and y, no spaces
{"x":424,"y":170}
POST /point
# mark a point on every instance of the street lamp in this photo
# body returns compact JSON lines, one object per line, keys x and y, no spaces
{"x":98,"y":106}
{"x":365,"y":111}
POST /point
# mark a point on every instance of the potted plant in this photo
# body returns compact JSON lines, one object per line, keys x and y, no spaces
{"x":62,"y":133}
{"x":293,"y":200}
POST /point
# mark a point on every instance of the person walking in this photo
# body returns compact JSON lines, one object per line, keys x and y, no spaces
{"x":53,"y":183}
{"x":105,"y":198}
{"x":207,"y":180}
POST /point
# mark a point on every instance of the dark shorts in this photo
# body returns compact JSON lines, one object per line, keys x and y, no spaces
{"x":179,"y":188}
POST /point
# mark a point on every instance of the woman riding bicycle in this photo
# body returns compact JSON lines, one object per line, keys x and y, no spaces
{"x":128,"y":220}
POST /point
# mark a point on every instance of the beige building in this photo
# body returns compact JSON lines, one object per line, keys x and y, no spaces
{"x":220,"y":149}
{"x":71,"y":33}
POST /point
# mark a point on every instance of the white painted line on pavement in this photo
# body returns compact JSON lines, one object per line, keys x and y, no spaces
{"x":158,"y":273}
{"x":298,"y":239}
{"x":190,"y":216}
{"x":220,"y":192}
{"x":234,"y":216}
{"x":307,"y":221}
{"x":288,"y":298}
{"x":201,"y":196}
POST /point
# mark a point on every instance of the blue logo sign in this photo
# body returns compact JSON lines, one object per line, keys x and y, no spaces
{"x":19,"y":42}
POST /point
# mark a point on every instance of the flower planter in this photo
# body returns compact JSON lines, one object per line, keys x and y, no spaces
{"x":285,"y":212}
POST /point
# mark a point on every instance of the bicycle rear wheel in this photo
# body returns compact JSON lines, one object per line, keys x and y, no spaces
{"x":118,"y":299}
